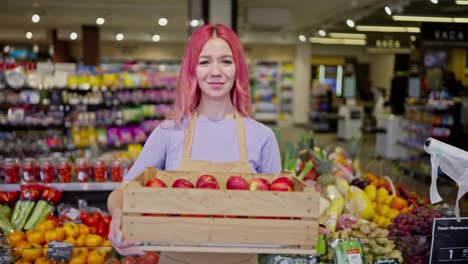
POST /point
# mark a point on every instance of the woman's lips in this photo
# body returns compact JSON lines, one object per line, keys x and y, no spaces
{"x":216,"y":84}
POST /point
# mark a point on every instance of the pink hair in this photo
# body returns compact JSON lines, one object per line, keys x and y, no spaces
{"x":188,"y":93}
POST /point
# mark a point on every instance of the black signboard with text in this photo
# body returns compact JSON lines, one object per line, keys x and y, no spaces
{"x":449,"y":241}
{"x":444,"y":35}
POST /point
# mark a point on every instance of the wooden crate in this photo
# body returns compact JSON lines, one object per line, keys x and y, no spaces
{"x":266,"y":222}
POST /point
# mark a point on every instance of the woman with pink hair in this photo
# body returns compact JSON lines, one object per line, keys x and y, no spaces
{"x":211,"y":126}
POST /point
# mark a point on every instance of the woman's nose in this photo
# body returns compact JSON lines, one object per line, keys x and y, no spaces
{"x":215,"y":69}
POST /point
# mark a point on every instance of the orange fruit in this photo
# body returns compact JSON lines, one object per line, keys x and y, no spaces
{"x":42,"y":260}
{"x":19,"y":247}
{"x":70,"y":240}
{"x":16,"y":237}
{"x":23,"y":261}
{"x":398,"y":203}
{"x":31,"y":252}
{"x":36,"y":236}
{"x":95,"y":258}
{"x":46,"y":225}
{"x":56,"y":234}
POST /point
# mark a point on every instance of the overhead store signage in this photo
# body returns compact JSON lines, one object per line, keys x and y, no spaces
{"x":449,"y":243}
{"x":444,"y":35}
{"x":388,"y":41}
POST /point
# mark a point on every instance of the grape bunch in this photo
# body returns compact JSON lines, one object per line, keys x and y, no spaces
{"x":411,"y":230}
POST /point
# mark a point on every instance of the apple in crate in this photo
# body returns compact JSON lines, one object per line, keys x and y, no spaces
{"x":208,"y":185}
{"x":282,"y":184}
{"x":183,"y":183}
{"x":237,"y":183}
{"x":206,"y":179}
{"x":259,"y":184}
{"x":156,"y":183}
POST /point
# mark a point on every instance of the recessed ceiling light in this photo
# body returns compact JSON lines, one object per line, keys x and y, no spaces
{"x":73,"y":36}
{"x":6,"y":49}
{"x":434,"y":1}
{"x":36,"y":48}
{"x":29,"y":35}
{"x":162,"y":21}
{"x":461,"y":2}
{"x":194,"y":23}
{"x":388,"y":10}
{"x":119,"y":37}
{"x":387,"y":29}
{"x":322,"y":33}
{"x":350,"y":23}
{"x":302,"y":38}
{"x":347,"y":35}
{"x":35,"y":18}
{"x":100,"y":21}
{"x":156,"y":38}
{"x":413,"y":38}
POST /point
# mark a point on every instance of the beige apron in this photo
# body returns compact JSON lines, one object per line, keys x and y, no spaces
{"x":187,"y":164}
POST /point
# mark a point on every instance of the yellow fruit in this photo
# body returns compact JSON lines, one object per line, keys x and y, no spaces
{"x":20,"y":246}
{"x":32,"y":252}
{"x":374,"y":204}
{"x":44,"y":249}
{"x":70,"y":240}
{"x":78,"y":260}
{"x":380,"y":221}
{"x":387,"y":222}
{"x":80,"y":241}
{"x":371,"y":191}
{"x":16,"y":237}
{"x":71,"y":230}
{"x":36,"y":236}
{"x":388,"y":199}
{"x":84,"y":230}
{"x":392,"y":213}
{"x":95,"y":258}
{"x":382,"y":194}
{"x":42,"y":260}
{"x":46,"y":225}
{"x":384,"y":210}
{"x":93,"y":240}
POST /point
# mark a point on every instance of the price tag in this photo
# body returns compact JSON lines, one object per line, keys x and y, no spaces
{"x":354,"y":256}
{"x":5,"y":257}
{"x":59,"y":251}
{"x":386,"y":261}
{"x":449,"y":241}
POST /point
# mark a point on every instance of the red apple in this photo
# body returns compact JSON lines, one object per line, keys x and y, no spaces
{"x":206,"y":178}
{"x":237,"y":183}
{"x":259,"y":184}
{"x":182,"y":183}
{"x":156,"y":183}
{"x":208,"y":185}
{"x":281,"y":187}
{"x":285,"y":180}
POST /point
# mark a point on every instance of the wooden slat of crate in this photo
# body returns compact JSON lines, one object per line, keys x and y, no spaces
{"x":199,"y":231}
{"x":220,"y":202}
{"x":215,"y":249}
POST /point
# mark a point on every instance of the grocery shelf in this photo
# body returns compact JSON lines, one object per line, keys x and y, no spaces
{"x":72,"y":186}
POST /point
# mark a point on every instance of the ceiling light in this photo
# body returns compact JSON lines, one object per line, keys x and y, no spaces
{"x":119,"y":37}
{"x":388,"y":10}
{"x":156,"y":37}
{"x":73,"y":36}
{"x":336,"y":41}
{"x":347,"y":35}
{"x":35,"y":48}
{"x":413,"y":38}
{"x":461,"y":2}
{"x":388,"y":29}
{"x":434,"y":1}
{"x":100,"y":21}
{"x":162,"y":21}
{"x":29,"y":35}
{"x":6,"y":49}
{"x":350,"y":23}
{"x":194,"y":23}
{"x":302,"y":38}
{"x":35,"y":18}
{"x":322,"y":33}
{"x":426,"y":19}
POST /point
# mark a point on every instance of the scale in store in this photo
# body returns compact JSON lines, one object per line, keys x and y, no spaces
{"x":350,"y":115}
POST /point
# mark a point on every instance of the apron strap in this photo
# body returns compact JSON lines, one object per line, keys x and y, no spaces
{"x":189,"y":136}
{"x":243,"y":156}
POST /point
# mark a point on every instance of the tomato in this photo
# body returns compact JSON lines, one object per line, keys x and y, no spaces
{"x":102,"y":229}
{"x":97,"y":215}
{"x":92,"y":221}
{"x":107,"y":219}
{"x":84,"y":215}
{"x":129,"y":260}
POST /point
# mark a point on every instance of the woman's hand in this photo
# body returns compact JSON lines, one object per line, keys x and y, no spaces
{"x":124,"y":247}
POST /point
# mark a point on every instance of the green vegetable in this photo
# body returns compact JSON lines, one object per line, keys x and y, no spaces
{"x":307,"y":168}
{"x":5,"y":225}
{"x":41,"y":211}
{"x":27,"y":208}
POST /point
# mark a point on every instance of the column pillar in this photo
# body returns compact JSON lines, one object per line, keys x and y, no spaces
{"x":90,"y":45}
{"x":302,"y":75}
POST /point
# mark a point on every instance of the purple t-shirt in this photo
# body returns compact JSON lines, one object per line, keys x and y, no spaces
{"x":214,"y":140}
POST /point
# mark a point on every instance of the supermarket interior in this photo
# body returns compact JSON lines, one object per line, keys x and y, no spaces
{"x":368,"y":101}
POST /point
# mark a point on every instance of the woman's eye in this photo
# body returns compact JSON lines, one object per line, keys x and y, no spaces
{"x":227,"y":61}
{"x":203,"y":62}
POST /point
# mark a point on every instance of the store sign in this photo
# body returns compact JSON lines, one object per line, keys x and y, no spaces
{"x":444,"y":35}
{"x":449,"y":241}
{"x":386,"y":261}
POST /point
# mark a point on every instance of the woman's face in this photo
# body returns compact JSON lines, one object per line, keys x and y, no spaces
{"x":216,"y":70}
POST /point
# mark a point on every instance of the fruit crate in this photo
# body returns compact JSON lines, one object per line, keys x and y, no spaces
{"x":224,"y":221}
